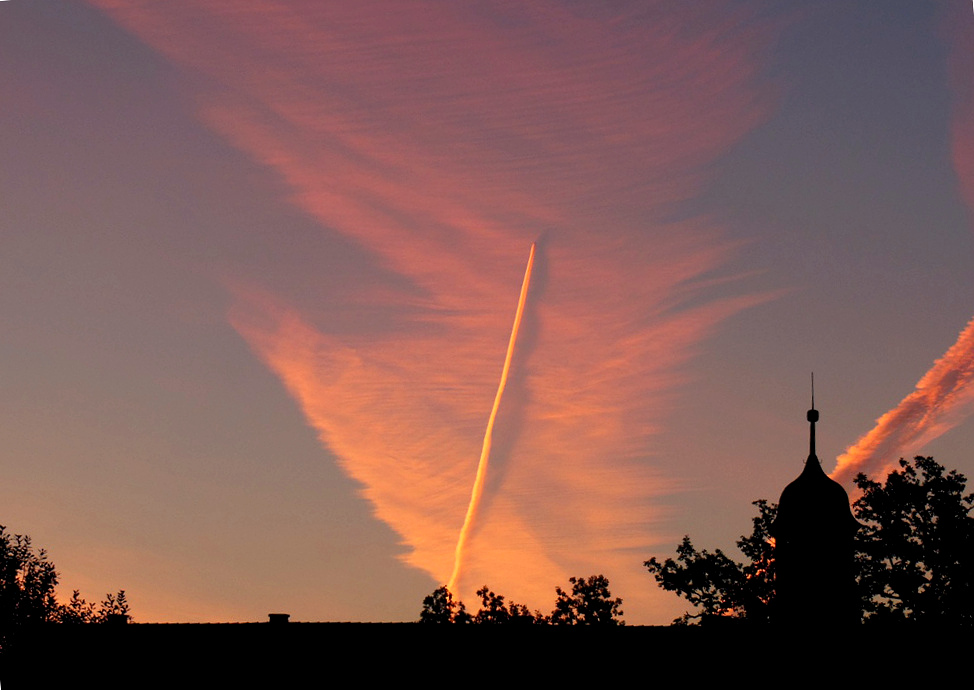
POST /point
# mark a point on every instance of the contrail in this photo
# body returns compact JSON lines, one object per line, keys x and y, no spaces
{"x":478,"y":484}
{"x":942,"y":398}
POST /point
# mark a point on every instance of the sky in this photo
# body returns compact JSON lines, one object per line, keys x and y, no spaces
{"x":260,"y":264}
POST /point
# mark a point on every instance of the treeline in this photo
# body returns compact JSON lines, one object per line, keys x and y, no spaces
{"x":28,"y":582}
{"x":914,"y":561}
{"x":914,"y":555}
{"x":588,"y":603}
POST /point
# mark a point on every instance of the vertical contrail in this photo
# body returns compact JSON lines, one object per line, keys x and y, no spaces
{"x":478,"y":484}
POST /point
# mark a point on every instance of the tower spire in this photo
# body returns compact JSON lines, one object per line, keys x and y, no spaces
{"x":815,"y":586}
{"x":812,"y":418}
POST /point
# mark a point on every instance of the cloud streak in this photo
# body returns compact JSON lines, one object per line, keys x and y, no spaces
{"x":442,"y":139}
{"x":944,"y":397}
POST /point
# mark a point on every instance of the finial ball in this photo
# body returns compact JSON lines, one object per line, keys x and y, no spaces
{"x":813,"y":415}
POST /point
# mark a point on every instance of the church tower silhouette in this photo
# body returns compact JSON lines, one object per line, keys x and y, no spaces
{"x":814,"y":549}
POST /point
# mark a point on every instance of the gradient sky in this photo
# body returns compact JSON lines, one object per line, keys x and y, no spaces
{"x":260,"y":260}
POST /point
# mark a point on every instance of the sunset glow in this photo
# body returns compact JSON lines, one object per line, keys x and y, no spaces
{"x":259,"y":262}
{"x":619,"y":306}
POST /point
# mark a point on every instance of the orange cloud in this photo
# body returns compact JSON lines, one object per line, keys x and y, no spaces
{"x":444,"y":138}
{"x":942,"y":399}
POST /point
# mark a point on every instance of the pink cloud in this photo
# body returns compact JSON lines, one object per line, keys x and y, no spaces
{"x":959,"y":31}
{"x":943,"y":398}
{"x":444,"y":138}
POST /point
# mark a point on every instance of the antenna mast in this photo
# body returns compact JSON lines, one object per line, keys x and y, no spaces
{"x":812,"y":418}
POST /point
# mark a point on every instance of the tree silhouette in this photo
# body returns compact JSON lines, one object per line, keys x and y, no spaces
{"x":77,"y":610}
{"x":915,"y":551}
{"x":28,"y":581}
{"x":719,"y":586}
{"x":493,"y":610}
{"x":27,"y":585}
{"x":439,"y":607}
{"x":914,"y":555}
{"x":113,"y":608}
{"x":590,"y":603}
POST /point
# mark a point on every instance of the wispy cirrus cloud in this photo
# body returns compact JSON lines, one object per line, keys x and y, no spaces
{"x":959,"y":32}
{"x":444,"y":139}
{"x":944,"y":396}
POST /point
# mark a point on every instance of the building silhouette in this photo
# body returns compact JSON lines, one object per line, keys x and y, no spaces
{"x":814,"y":549}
